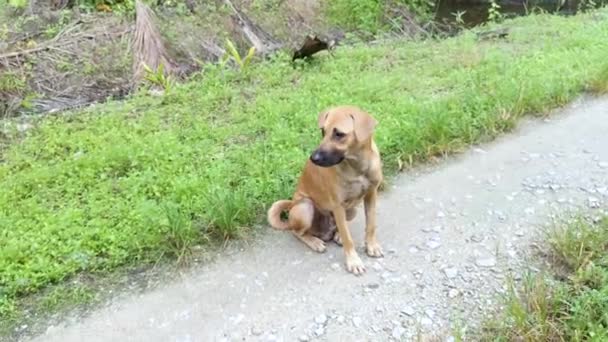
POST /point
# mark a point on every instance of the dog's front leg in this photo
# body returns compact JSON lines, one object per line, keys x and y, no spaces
{"x":353,"y":262}
{"x":372,"y":247}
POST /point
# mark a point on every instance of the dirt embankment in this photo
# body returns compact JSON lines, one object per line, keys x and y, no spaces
{"x":60,"y":59}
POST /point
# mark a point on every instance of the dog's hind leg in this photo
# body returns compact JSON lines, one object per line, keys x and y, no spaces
{"x":301,"y":218}
{"x":312,"y":241}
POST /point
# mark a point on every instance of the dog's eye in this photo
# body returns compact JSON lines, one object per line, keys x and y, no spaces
{"x":322,"y":132}
{"x":339,"y":134}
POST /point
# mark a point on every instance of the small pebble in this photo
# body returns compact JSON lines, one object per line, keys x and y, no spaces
{"x":321,"y":319}
{"x":255,"y":331}
{"x":486,"y":262}
{"x":373,"y":286}
{"x":427,"y":322}
{"x":408,"y":310}
{"x":451,"y":272}
{"x":476,"y":238}
{"x":433,"y":244}
{"x":593,"y":202}
{"x":453,"y":293}
{"x":397,"y":332}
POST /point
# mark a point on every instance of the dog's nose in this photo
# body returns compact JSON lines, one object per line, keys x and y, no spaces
{"x":316,"y":157}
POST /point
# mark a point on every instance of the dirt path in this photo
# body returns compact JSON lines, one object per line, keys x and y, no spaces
{"x":451,"y":235}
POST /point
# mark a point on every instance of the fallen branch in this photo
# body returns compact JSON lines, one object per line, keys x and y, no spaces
{"x":54,"y":44}
{"x":23,"y":52}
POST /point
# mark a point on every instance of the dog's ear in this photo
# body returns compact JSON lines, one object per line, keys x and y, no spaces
{"x":322,"y":117}
{"x":364,"y":125}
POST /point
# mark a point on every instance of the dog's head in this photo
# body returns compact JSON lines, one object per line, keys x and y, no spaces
{"x":345,"y":130}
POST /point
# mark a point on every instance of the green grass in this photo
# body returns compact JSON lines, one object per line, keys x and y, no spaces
{"x":371,"y":16}
{"x":132,"y":182}
{"x":568,"y":303}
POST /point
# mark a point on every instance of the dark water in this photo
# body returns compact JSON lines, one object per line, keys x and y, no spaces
{"x":477,"y":12}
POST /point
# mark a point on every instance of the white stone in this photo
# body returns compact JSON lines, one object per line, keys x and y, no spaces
{"x":486,"y":262}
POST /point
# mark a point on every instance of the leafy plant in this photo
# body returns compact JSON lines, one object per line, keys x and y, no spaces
{"x":458,"y":17}
{"x":585,"y":5}
{"x":158,"y":77}
{"x":232,"y":51}
{"x":494,"y":14}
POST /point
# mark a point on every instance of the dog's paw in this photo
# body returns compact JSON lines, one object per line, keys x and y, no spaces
{"x":374,"y":250}
{"x":338,"y":239}
{"x":354,"y":265}
{"x":317,"y":245}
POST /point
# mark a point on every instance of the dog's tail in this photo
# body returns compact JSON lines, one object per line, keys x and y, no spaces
{"x":274,"y":214}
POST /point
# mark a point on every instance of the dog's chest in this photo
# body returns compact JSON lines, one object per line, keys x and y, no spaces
{"x":354,"y":188}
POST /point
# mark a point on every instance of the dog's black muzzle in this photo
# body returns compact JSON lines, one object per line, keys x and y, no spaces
{"x":326,"y":158}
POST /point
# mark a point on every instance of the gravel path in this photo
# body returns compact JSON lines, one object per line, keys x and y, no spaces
{"x":451,"y":235}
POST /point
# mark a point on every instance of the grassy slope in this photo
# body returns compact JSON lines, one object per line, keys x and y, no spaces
{"x":129,"y":182}
{"x":567,"y":303}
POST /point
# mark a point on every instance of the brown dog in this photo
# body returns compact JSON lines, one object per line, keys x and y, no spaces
{"x":343,"y":171}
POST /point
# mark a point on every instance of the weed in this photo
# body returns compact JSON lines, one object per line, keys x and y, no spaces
{"x":4,"y":31}
{"x":57,"y":298}
{"x":494,"y":14}
{"x":242,"y":62}
{"x":53,"y":29}
{"x":586,"y":5}
{"x":599,"y":83}
{"x":551,"y":307}
{"x":12,"y":82}
{"x":179,"y":233}
{"x":458,"y":18}
{"x":158,"y":77}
